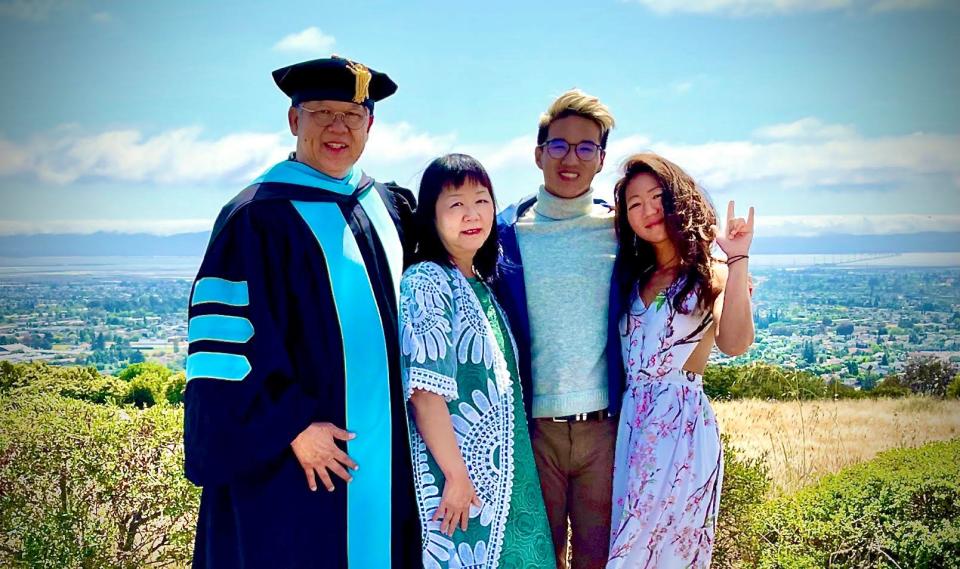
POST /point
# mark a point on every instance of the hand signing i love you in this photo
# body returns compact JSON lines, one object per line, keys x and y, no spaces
{"x":737,"y":233}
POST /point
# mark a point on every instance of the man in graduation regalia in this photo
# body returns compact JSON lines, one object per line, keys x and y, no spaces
{"x":294,"y":421}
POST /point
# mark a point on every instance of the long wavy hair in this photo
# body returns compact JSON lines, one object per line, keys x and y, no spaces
{"x":451,"y":171}
{"x":688,"y":218}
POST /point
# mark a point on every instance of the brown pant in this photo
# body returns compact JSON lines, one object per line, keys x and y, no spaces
{"x":575,"y":461}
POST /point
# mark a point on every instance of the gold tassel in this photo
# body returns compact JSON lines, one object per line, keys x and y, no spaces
{"x":362,"y":85}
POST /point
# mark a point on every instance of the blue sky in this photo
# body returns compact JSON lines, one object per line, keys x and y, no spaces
{"x":827,"y":115}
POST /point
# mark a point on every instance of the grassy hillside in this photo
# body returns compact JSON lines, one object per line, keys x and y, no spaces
{"x":800,"y":441}
{"x":91,"y":475}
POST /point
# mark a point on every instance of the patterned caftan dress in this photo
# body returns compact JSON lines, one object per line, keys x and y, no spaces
{"x":455,"y":342}
{"x":668,"y":465}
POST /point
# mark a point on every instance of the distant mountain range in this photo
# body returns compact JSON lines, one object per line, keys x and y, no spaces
{"x":928,"y":242}
{"x":193,"y":244}
{"x":104,"y":244}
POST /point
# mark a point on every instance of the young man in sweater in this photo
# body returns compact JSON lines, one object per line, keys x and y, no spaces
{"x":558,"y":254}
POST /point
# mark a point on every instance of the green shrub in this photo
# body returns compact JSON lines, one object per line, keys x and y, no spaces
{"x":890,"y":387}
{"x":9,"y":376}
{"x":953,"y":390}
{"x":718,"y":381}
{"x":83,"y":383}
{"x":84,"y":485}
{"x":133,"y":371}
{"x":764,"y":381}
{"x":901,"y":509}
{"x":142,"y":392}
{"x":743,"y":490}
{"x":928,"y":375}
{"x":142,"y":385}
{"x":838,"y":390}
{"x":176,"y":385}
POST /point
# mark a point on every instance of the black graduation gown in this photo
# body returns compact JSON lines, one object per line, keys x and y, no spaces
{"x":267,"y":358}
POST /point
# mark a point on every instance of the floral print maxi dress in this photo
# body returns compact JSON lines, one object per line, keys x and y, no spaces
{"x":455,"y":342}
{"x":668,"y":466}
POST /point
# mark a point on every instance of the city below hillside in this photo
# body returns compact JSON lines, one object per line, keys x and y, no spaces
{"x":193,"y":244}
{"x":856,"y":325}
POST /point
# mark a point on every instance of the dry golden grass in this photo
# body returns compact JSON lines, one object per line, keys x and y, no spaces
{"x":803,"y":440}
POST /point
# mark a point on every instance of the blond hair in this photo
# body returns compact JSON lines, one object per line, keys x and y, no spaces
{"x":577,"y":103}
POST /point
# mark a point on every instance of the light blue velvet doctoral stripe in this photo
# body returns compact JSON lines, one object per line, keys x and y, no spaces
{"x":298,"y":173}
{"x":376,"y":210}
{"x":220,"y":291}
{"x":367,"y":386}
{"x":219,"y":328}
{"x":215,"y":365}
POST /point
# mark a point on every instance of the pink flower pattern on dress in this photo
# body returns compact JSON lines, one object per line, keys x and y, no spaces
{"x":668,"y":467}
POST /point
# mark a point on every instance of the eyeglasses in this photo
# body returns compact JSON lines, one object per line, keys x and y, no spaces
{"x":325,"y":117}
{"x":557,"y":148}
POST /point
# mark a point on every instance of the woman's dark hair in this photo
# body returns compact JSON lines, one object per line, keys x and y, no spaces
{"x":451,"y":171}
{"x":689,"y":218}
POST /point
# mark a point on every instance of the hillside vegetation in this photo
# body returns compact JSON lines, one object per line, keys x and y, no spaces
{"x":91,"y":473}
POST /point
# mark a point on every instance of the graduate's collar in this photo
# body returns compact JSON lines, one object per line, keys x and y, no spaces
{"x":300,"y":174}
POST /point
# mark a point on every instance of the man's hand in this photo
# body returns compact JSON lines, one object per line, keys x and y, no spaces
{"x":317,"y":451}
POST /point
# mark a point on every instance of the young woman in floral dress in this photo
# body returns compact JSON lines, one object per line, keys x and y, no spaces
{"x":476,"y":481}
{"x":678,"y":302}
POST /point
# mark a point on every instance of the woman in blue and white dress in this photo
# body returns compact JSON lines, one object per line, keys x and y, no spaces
{"x":679,"y":302}
{"x":476,"y":482}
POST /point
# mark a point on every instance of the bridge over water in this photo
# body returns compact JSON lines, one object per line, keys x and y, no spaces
{"x":851,"y":259}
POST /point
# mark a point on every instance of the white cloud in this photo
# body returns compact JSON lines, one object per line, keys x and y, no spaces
{"x":86,"y":226}
{"x":805,"y":165}
{"x":186,"y":156}
{"x":176,"y":156}
{"x":398,"y":152}
{"x":810,"y":165}
{"x":808,"y":128}
{"x":310,"y":40}
{"x":806,"y":154}
{"x":41,"y":10}
{"x":741,"y":8}
{"x":390,"y":143}
{"x":682,"y":87}
{"x":32,"y":10}
{"x":833,"y":157}
{"x":517,"y":152}
{"x":674,"y":88}
{"x":619,"y":148}
{"x":13,"y":159}
{"x":893,"y":5}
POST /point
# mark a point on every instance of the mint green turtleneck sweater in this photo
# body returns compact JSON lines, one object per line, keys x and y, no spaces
{"x":567,"y":247}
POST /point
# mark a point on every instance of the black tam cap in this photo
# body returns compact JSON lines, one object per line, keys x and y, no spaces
{"x":333,"y":79}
